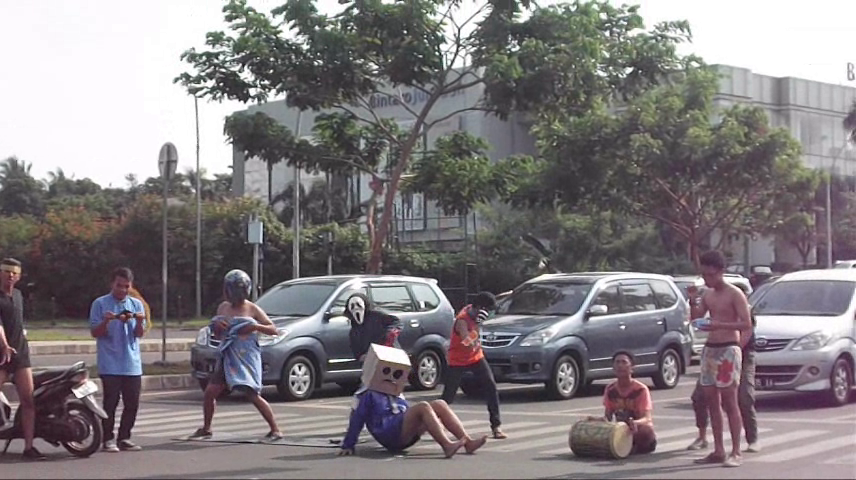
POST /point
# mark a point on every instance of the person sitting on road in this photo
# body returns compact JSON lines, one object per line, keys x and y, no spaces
{"x":629,"y":400}
{"x":240,"y":363}
{"x":390,"y":419}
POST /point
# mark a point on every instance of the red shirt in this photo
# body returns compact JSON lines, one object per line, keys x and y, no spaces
{"x":461,"y":355}
{"x":634,"y":402}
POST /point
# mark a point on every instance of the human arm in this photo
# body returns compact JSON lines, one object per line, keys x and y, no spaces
{"x":98,"y":320}
{"x":264,"y":325}
{"x":359,"y":415}
{"x":642,"y":415}
{"x":608,"y":408}
{"x":392,"y":328}
{"x":6,"y":351}
{"x":698,"y":307}
{"x":140,"y":317}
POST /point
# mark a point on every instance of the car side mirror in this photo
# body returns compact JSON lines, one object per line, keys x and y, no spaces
{"x":334,"y":312}
{"x":597,"y":310}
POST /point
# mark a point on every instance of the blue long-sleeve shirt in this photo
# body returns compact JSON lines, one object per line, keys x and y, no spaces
{"x":376,"y":412}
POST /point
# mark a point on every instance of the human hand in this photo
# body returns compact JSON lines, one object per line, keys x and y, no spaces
{"x":222,"y":325}
{"x":633,"y":426}
{"x":345,"y":452}
{"x":6,"y":356}
{"x":109,"y":316}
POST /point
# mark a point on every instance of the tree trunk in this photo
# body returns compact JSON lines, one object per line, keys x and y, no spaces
{"x":270,"y":182}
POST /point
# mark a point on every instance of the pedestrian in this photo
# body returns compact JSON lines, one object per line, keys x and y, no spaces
{"x":369,"y":325}
{"x":721,"y":358}
{"x":745,"y":399}
{"x":15,"y":351}
{"x":237,"y":324}
{"x":629,"y":400}
{"x":466,"y":355}
{"x":118,"y":321}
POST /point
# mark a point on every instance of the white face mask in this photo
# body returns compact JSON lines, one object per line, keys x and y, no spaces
{"x":357,"y":309}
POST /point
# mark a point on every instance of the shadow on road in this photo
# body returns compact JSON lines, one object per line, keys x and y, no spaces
{"x":245,"y":473}
{"x":640,"y":466}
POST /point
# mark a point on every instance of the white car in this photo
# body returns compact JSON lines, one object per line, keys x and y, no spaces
{"x":806,"y":334}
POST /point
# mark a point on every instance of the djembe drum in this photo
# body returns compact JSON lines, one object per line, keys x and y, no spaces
{"x":593,"y":438}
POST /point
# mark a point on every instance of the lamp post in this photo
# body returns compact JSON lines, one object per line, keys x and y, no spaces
{"x":167,"y":163}
{"x":295,"y":248}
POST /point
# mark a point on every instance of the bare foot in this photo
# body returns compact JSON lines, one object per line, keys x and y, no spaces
{"x":472,"y":445}
{"x":451,"y":449}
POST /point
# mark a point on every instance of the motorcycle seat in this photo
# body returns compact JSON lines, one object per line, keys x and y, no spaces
{"x":45,"y":376}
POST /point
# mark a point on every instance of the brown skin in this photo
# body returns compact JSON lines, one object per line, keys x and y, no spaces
{"x":623,"y":368}
{"x":730,"y":322}
{"x":119,"y":289}
{"x":23,"y":376}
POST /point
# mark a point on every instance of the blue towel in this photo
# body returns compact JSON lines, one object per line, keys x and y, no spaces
{"x":241,"y":354}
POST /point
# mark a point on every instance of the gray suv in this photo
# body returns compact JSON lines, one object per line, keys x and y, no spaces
{"x":563,"y":330}
{"x":313,"y":345}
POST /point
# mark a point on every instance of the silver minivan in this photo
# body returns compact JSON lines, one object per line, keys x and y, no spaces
{"x":806,"y":334}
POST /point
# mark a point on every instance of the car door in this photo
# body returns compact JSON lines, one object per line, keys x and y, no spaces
{"x":643,"y":323}
{"x":427,"y":319}
{"x":336,"y":334}
{"x":395,"y":299}
{"x":602,"y":333}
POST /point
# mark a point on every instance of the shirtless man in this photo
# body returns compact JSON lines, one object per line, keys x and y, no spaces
{"x":722,"y":357}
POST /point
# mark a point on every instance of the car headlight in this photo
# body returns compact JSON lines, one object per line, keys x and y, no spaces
{"x":268,"y":340}
{"x":538,"y":338}
{"x":814,"y":341}
{"x":202,"y":336}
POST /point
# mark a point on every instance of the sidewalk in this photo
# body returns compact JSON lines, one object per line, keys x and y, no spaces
{"x":87,"y":347}
{"x":150,"y":383}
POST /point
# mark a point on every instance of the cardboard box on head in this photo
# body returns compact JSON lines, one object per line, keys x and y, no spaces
{"x":386,"y":369}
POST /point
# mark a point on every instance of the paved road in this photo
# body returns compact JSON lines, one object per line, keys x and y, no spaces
{"x":41,"y":361}
{"x":800,"y":439}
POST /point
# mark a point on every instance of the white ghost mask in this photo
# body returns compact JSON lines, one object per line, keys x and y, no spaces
{"x":357,"y":308}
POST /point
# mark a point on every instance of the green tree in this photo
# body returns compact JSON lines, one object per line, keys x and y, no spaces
{"x":568,"y":57}
{"x":20,"y":192}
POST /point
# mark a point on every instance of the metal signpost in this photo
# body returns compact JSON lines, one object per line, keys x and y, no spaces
{"x":255,"y":235}
{"x":167,"y":163}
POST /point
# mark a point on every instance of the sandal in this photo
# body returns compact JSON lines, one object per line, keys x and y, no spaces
{"x":200,"y":434}
{"x":273,"y":436}
{"x":712,"y":458}
{"x":498,"y":434}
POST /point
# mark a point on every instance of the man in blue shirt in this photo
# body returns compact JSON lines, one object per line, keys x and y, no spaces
{"x":117,"y":321}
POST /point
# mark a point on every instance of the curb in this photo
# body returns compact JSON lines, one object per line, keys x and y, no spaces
{"x":150,"y":383}
{"x":89,"y":348}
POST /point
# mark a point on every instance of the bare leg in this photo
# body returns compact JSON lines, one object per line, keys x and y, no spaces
{"x":264,"y":408}
{"x":421,"y":418}
{"x":735,"y":421}
{"x":453,"y":424}
{"x":712,"y":400}
{"x":24,"y":387}
{"x":212,"y":391}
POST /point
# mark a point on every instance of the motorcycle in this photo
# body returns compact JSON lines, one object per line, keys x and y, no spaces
{"x":67,"y":413}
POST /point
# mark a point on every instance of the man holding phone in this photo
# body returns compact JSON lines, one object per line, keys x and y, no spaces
{"x":118,"y":321}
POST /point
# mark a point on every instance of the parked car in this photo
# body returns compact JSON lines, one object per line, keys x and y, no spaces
{"x":563,"y":330}
{"x":313,"y":345}
{"x":845,"y":264}
{"x":805,"y":334}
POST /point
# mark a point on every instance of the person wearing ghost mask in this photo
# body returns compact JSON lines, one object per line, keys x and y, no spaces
{"x":369,"y":326}
{"x":391,"y":420}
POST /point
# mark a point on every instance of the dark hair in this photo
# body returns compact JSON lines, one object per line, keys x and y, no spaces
{"x":626,"y":354}
{"x":10,"y":261}
{"x":713,"y":258}
{"x":485,"y":300}
{"x":123,"y":272}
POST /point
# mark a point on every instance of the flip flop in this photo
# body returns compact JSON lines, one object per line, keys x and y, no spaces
{"x":710,"y":459}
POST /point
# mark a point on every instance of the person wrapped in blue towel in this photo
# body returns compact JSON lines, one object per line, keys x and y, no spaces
{"x":237,"y":324}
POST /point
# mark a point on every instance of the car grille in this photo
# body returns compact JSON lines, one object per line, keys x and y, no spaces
{"x":498,"y":340}
{"x":771,"y":344}
{"x":777,"y":373}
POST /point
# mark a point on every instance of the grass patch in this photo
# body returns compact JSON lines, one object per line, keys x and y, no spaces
{"x":83,"y":323}
{"x":169,"y":368}
{"x":56,"y":336}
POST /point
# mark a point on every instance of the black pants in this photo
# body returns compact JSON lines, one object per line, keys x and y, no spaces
{"x":484,"y":376}
{"x":128,"y":386}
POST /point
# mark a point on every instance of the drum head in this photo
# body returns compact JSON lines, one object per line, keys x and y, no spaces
{"x":622,"y":440}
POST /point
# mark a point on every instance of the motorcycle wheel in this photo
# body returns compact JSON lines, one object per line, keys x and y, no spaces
{"x":88,"y":425}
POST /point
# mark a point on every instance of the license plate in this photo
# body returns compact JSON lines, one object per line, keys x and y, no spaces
{"x":762,"y":383}
{"x":85,"y":390}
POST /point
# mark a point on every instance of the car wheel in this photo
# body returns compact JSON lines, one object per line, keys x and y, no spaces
{"x":298,"y":379}
{"x":203,"y":384}
{"x":565,"y":380}
{"x":426,"y":375}
{"x":841,"y":381}
{"x":669,"y":372}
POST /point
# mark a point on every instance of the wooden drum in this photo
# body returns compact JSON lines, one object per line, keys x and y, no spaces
{"x":600,"y":439}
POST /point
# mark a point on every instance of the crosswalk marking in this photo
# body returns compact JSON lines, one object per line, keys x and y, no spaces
{"x":505,"y":426}
{"x":846,"y":459}
{"x":245,"y":422}
{"x":172,"y":420}
{"x":683,"y":443}
{"x":808,"y":449}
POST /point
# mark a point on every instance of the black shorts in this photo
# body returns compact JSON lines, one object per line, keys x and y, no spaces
{"x":20,"y":360}
{"x":218,"y":377}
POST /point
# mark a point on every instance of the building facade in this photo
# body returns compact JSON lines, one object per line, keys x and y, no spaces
{"x":811,"y":111}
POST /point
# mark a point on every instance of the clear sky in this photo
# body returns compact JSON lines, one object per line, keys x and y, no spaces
{"x":87,"y":84}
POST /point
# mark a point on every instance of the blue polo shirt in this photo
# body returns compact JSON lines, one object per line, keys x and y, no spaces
{"x":119,"y":350}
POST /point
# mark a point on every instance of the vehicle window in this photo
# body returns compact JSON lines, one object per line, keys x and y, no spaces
{"x":343,"y":297}
{"x":663,"y":293}
{"x":638,"y":297}
{"x":392,"y":298}
{"x":807,"y":297}
{"x":545,"y":298}
{"x":609,"y":297}
{"x":300,"y":300}
{"x":426,"y":298}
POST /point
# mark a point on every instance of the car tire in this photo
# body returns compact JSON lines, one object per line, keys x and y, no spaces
{"x":668,"y":370}
{"x":841,"y":383}
{"x":428,"y":371}
{"x":298,"y":378}
{"x":203,"y":384}
{"x":565,"y":379}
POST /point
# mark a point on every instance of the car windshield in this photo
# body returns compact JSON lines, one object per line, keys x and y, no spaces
{"x":297,"y":300}
{"x":546,"y":298}
{"x":807,"y":297}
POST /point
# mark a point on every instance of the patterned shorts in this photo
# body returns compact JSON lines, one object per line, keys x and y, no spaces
{"x":720,"y":365}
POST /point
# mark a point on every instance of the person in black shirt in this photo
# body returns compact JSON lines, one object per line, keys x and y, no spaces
{"x":369,"y":325}
{"x":15,"y":351}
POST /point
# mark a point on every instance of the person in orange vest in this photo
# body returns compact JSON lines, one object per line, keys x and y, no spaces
{"x":466,"y":355}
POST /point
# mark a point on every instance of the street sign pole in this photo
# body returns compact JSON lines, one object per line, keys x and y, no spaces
{"x":167,"y":163}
